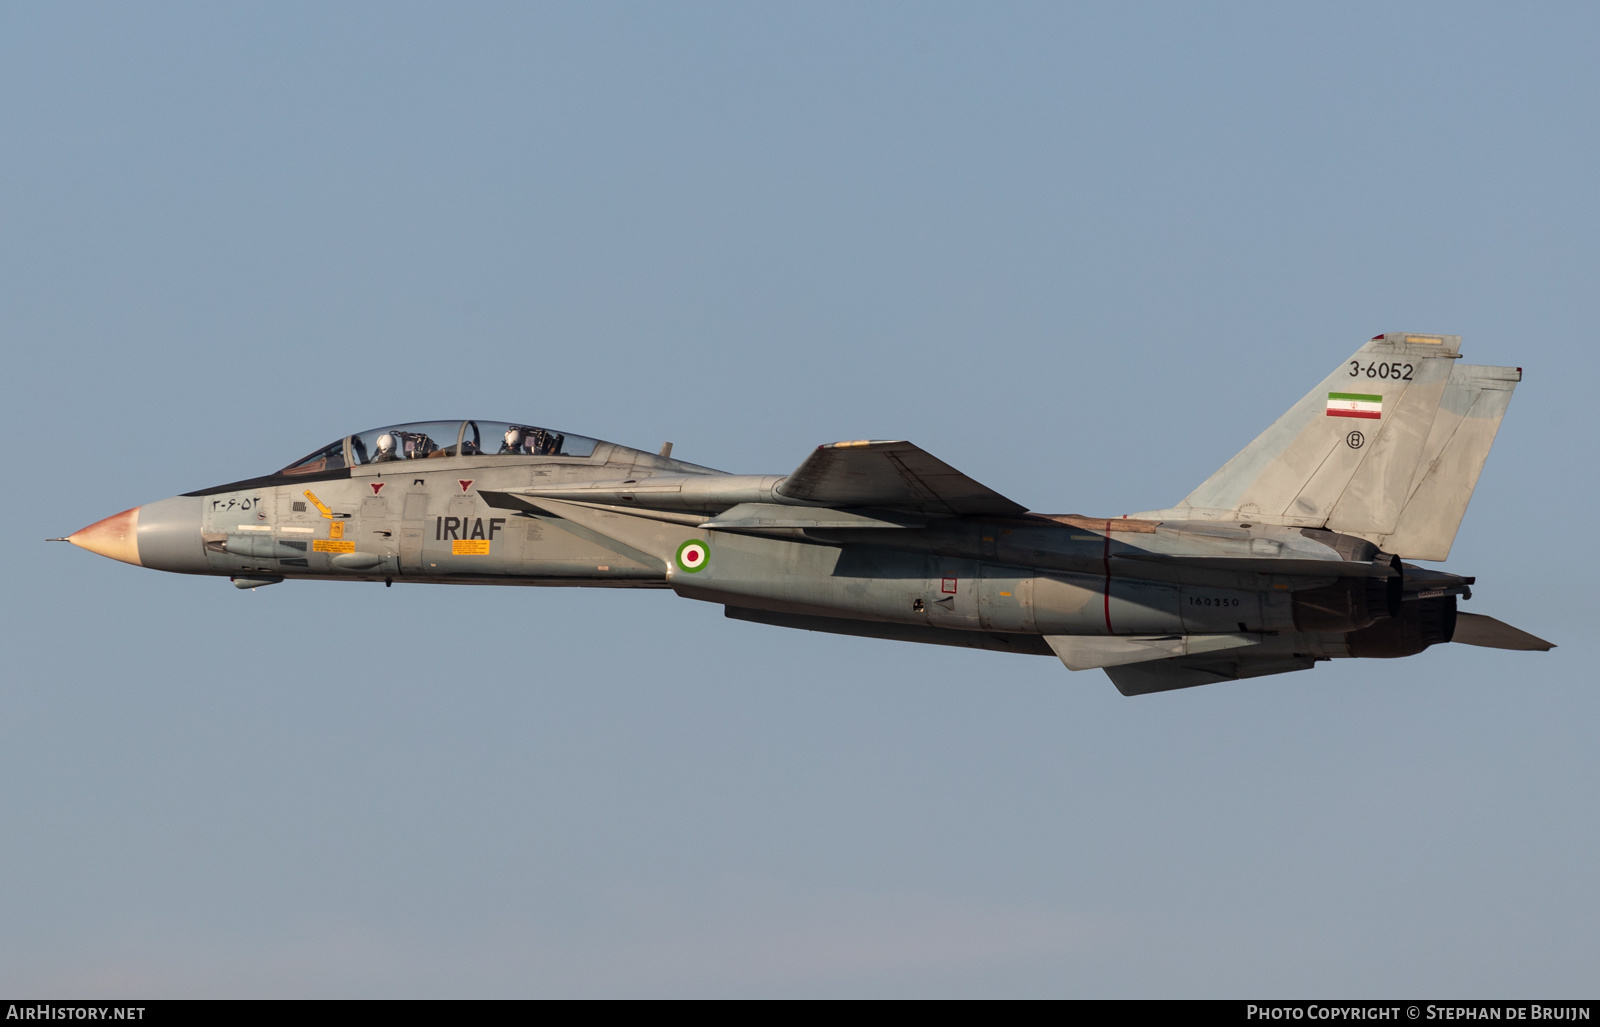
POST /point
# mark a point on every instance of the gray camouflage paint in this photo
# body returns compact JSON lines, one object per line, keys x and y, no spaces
{"x":1289,"y":554}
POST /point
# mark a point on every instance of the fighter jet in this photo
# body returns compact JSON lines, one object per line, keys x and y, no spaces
{"x":1296,"y":551}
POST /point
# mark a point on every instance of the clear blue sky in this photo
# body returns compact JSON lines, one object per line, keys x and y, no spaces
{"x":1084,"y":253}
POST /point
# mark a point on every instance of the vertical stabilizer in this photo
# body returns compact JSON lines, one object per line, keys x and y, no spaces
{"x":1464,"y":428}
{"x":1345,"y":456}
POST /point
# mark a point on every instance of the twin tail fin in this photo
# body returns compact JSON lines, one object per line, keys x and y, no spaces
{"x":1388,"y":447}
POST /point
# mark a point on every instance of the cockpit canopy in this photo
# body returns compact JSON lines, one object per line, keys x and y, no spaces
{"x":426,"y":439}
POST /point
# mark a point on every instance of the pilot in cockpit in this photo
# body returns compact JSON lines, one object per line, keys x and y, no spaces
{"x":513,"y":442}
{"x":386,"y":449}
{"x":545,"y":443}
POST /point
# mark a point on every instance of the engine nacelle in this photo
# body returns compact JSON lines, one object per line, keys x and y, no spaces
{"x":1421,"y":623}
{"x":1348,"y":605}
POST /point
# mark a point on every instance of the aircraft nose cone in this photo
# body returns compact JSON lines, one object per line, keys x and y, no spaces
{"x":117,"y":537}
{"x":163,"y":535}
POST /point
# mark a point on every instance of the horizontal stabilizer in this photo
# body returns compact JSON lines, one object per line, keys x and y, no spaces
{"x":1089,"y":652}
{"x":1476,"y":629}
{"x":898,"y":475}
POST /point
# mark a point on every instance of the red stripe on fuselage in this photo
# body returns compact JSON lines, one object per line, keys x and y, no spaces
{"x":1107,"y":560}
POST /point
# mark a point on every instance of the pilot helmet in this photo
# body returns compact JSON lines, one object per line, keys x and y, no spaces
{"x":386,"y":443}
{"x":513,"y":438}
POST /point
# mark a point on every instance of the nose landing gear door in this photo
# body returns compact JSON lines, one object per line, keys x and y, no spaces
{"x":413,"y":519}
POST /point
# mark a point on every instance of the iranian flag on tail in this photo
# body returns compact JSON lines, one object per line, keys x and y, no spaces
{"x":1354,"y":404}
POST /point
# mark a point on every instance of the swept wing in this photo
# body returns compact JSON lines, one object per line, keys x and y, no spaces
{"x":897,"y":475}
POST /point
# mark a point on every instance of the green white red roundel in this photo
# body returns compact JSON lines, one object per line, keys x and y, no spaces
{"x":692,"y":556}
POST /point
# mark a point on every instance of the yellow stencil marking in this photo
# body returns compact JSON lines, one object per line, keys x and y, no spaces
{"x":470,"y":547}
{"x":323,"y":545}
{"x":336,"y":529}
{"x":318,"y":504}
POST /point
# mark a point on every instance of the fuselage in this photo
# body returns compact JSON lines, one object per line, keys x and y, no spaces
{"x":460,"y":515}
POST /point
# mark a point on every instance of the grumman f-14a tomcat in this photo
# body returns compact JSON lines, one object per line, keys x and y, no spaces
{"x":1295,"y":552}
